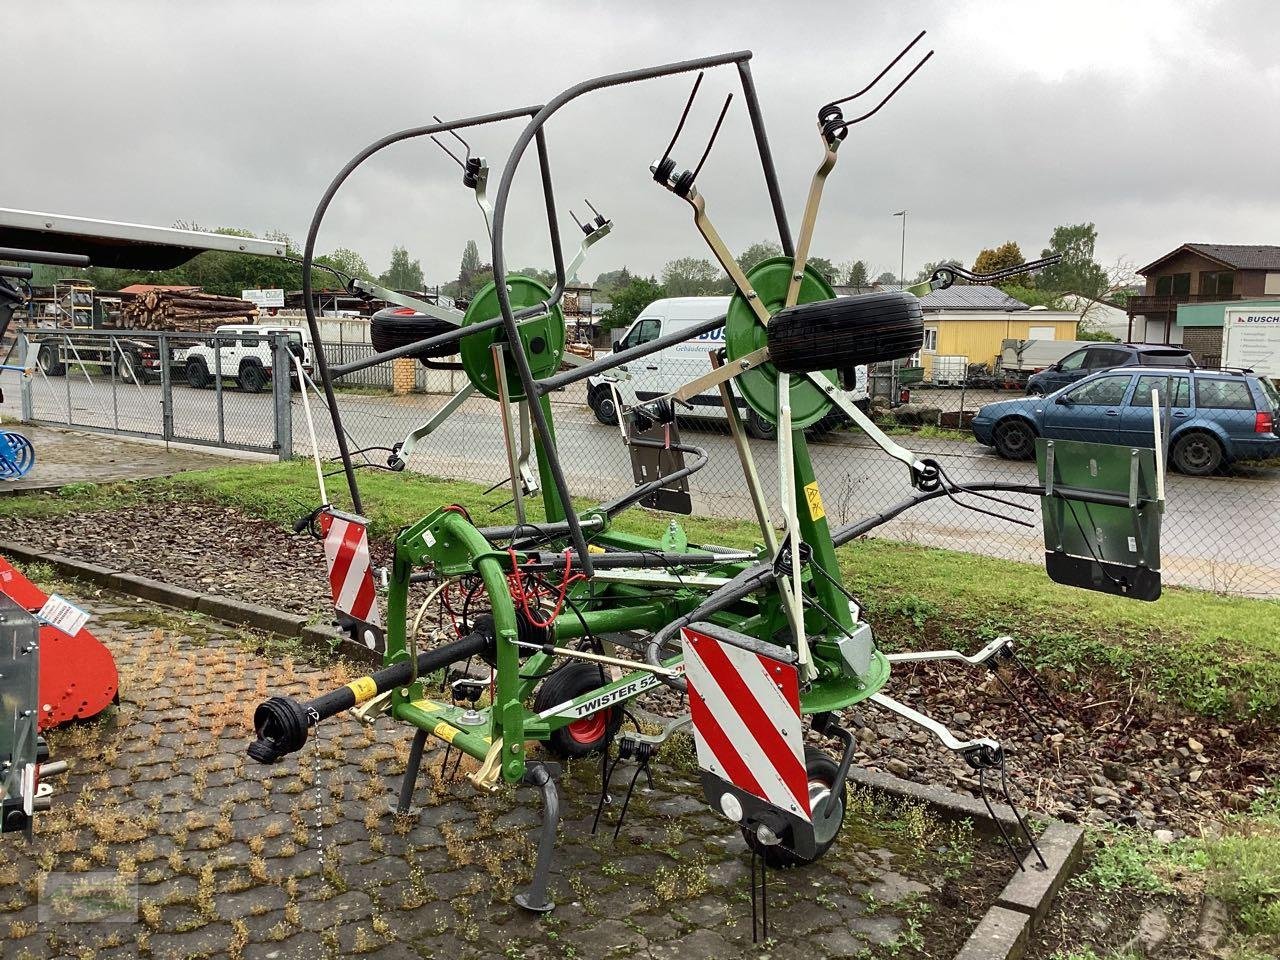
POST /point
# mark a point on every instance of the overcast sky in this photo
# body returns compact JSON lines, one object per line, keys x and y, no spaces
{"x":1155,"y":120}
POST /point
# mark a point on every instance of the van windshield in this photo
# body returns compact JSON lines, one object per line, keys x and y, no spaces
{"x":645,"y":330}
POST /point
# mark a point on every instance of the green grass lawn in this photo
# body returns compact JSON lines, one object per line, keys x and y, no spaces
{"x":1211,"y":654}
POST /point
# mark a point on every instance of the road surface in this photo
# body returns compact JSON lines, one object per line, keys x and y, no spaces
{"x":1219,"y":533}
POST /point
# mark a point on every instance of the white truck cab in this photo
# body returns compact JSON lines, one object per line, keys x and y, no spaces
{"x":662,"y":372}
{"x":243,"y":351}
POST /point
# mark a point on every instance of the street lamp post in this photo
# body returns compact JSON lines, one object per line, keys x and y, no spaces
{"x":902,"y":262}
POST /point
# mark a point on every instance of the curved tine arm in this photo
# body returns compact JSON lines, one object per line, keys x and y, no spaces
{"x":810,"y":219}
{"x":309,"y":251}
{"x":936,"y":727}
{"x":527,"y":382}
{"x":588,"y":241}
{"x":449,"y":314}
{"x":722,"y":254}
{"x":995,"y":647}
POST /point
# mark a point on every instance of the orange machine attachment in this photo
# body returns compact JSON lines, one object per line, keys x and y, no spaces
{"x":78,"y":677}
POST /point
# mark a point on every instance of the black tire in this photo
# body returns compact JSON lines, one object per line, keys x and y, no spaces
{"x":1196,"y":453}
{"x":198,"y":373}
{"x":1015,"y":439}
{"x":252,"y":378}
{"x":603,"y":406}
{"x":590,"y":734}
{"x":49,"y":364}
{"x":822,"y":772}
{"x":393,"y":327}
{"x":846,"y":332}
{"x":129,"y":368}
{"x":758,"y":427}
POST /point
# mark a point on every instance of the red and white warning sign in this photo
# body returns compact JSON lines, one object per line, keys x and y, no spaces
{"x":346,"y":549}
{"x":745,"y":709}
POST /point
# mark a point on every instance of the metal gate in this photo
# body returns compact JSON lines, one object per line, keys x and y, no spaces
{"x":217,"y":390}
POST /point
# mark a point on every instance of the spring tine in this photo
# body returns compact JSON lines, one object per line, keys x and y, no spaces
{"x":1004,"y":834}
{"x":683,"y":116}
{"x":901,"y":83}
{"x":1017,"y":700}
{"x":451,"y":154}
{"x":1044,"y":691}
{"x":880,"y":75}
{"x":606,"y":776}
{"x":592,"y":206}
{"x":454,"y":134}
{"x":714,"y":133}
{"x":1026,"y":830}
{"x":755,"y":938}
{"x":764,"y":898}
{"x":622,"y":814}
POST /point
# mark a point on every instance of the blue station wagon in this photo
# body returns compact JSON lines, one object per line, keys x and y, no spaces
{"x":1218,"y":416}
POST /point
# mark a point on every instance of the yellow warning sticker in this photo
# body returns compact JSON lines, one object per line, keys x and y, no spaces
{"x":364,"y":689}
{"x":444,"y":732}
{"x":594,"y":548}
{"x":812,"y":494}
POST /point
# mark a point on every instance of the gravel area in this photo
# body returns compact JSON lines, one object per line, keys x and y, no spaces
{"x":1115,"y":757}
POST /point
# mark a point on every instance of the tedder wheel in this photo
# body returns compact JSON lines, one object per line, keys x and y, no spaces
{"x":1196,"y":454}
{"x":589,"y":734}
{"x":822,"y":772}
{"x":846,"y":332}
{"x":197,"y":373}
{"x":400,"y":326}
{"x":252,"y":377}
{"x":1015,"y":440}
{"x":758,"y":427}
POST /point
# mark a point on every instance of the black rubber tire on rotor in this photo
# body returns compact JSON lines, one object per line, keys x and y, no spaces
{"x":818,"y":766}
{"x":251,"y":377}
{"x":846,"y":332}
{"x":388,"y":330}
{"x":197,"y":372}
{"x":1014,"y":439}
{"x":1196,"y":453}
{"x":566,"y":683}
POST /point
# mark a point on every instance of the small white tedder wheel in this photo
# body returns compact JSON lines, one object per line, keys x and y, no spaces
{"x":822,"y":771}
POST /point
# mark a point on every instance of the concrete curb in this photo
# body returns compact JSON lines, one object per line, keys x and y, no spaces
{"x":1003,"y":933}
{"x":226,"y":609}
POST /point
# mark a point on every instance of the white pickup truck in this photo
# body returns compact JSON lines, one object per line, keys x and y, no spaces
{"x":242,"y":352}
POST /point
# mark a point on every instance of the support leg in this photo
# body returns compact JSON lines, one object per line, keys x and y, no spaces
{"x":535,"y":898}
{"x":411,"y":772}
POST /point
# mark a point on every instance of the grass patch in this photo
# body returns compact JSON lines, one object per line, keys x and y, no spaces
{"x":1210,"y":654}
{"x":1239,"y":864}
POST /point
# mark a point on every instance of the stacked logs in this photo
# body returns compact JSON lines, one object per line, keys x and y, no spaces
{"x":184,"y":310}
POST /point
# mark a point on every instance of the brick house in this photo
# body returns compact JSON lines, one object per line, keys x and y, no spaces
{"x":1199,"y":273}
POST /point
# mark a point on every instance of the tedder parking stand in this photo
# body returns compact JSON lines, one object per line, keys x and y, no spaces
{"x":760,"y":640}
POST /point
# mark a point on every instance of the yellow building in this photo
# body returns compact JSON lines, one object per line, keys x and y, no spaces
{"x":965,"y":325}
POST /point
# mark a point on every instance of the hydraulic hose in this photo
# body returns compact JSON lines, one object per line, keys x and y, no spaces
{"x":283,"y":723}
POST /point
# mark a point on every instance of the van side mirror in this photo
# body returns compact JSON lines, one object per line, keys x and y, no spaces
{"x":1065,"y":401}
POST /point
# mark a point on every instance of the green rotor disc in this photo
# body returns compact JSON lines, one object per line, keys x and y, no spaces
{"x":743,"y":333}
{"x":543,"y":337}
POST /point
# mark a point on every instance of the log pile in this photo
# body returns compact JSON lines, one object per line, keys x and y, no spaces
{"x":184,"y":310}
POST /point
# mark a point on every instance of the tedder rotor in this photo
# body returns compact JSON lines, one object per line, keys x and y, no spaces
{"x":767,"y":644}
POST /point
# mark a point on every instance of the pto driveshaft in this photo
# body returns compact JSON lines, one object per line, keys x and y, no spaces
{"x":282,"y":723}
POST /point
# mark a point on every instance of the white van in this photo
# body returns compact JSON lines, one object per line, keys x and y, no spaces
{"x":662,"y":372}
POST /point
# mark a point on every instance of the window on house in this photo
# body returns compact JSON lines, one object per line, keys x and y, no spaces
{"x":930,"y":339}
{"x":1220,"y":283}
{"x":1173,"y":285}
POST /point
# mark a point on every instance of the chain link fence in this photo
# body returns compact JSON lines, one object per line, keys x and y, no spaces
{"x":1219,"y":533}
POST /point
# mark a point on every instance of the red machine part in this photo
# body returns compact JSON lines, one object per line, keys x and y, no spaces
{"x":78,"y":677}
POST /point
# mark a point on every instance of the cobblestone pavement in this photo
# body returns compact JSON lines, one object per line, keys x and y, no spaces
{"x":304,"y":860}
{"x":66,"y":456}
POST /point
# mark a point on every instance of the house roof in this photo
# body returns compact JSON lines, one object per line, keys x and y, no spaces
{"x":975,"y":296}
{"x":1238,"y":256}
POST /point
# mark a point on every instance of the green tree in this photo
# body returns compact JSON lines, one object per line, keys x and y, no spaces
{"x":348,"y":262}
{"x":887,"y":277}
{"x":545,"y":277}
{"x":609,"y":282}
{"x":1008,"y":254}
{"x":761,"y":250}
{"x":1035,"y":296}
{"x":691,"y":277}
{"x":629,"y":301}
{"x":1078,"y":272}
{"x":403,"y":273}
{"x":826,"y":268}
{"x":859,"y":275}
